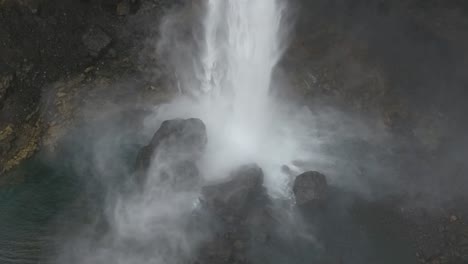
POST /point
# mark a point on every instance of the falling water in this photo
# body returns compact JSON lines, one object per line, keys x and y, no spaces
{"x":241,"y":49}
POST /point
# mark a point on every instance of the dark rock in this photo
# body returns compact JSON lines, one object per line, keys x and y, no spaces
{"x":112,"y":53}
{"x":6,"y":80}
{"x":126,"y":7}
{"x":32,"y":5}
{"x":310,"y":188}
{"x":233,"y":198}
{"x":123,"y":8}
{"x":175,"y":148}
{"x":181,"y":175}
{"x":96,"y":40}
{"x":185,"y":137}
{"x":7,"y":137}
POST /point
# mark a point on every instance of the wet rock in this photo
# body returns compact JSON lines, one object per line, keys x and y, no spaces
{"x":96,"y":40}
{"x":26,"y":142}
{"x":123,"y":8}
{"x":453,"y":218}
{"x":232,"y":199}
{"x":32,"y":5}
{"x":7,"y":136}
{"x":112,"y":53}
{"x":185,"y":137}
{"x":6,"y":82}
{"x":310,"y":188}
{"x":173,"y":152}
{"x":180,"y":175}
{"x":126,"y":7}
{"x":241,"y":208}
{"x":218,"y":251}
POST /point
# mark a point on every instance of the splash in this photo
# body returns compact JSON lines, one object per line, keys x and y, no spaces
{"x":241,"y":45}
{"x":225,"y":79}
{"x":241,"y":51}
{"x":225,"y":69}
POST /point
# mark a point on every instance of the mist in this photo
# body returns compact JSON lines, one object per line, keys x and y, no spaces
{"x":227,"y":68}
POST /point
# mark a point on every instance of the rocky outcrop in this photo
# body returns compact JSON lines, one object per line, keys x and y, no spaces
{"x":173,"y":152}
{"x":310,"y":188}
{"x":58,"y":59}
{"x":40,"y":43}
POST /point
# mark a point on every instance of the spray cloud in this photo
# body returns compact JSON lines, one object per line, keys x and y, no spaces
{"x":224,"y":71}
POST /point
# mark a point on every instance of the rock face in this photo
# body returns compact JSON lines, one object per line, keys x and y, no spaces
{"x":173,"y":152}
{"x":6,"y":79}
{"x":96,"y":40}
{"x":44,"y":43}
{"x":310,"y":188}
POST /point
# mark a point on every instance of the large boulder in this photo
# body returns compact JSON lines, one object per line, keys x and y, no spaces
{"x":310,"y":188}
{"x":232,"y":199}
{"x":240,"y":204}
{"x":173,"y":152}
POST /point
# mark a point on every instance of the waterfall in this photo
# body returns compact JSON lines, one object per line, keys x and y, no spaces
{"x":238,"y":47}
{"x":241,"y":47}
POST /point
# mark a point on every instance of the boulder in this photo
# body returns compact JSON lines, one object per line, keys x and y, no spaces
{"x":232,"y":199}
{"x":310,"y":188}
{"x":174,"y":149}
{"x":240,"y":204}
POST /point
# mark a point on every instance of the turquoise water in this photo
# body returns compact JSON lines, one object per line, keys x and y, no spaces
{"x":55,"y":195}
{"x":28,"y":210}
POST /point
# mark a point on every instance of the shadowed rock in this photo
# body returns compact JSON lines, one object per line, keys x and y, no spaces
{"x":7,"y":77}
{"x":310,"y":188}
{"x":233,"y":198}
{"x":240,"y":204}
{"x":173,"y":152}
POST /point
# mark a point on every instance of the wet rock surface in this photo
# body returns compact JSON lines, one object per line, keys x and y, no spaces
{"x":233,"y":199}
{"x":441,"y":240}
{"x":59,"y":57}
{"x":7,"y":77}
{"x":96,"y":40}
{"x":240,"y":207}
{"x":310,"y":188}
{"x":173,"y":151}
